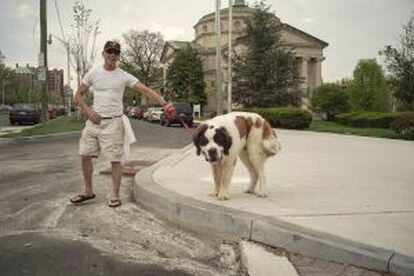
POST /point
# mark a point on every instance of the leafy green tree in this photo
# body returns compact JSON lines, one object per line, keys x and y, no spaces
{"x":266,"y":74}
{"x":368,"y":88}
{"x":331,"y":99}
{"x":6,"y":75}
{"x":185,"y":76}
{"x":400,"y":63}
{"x":141,"y":56}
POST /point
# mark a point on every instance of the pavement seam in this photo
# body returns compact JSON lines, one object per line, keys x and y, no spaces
{"x":389,"y":261}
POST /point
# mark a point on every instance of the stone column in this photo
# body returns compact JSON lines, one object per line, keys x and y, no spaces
{"x":304,"y":73}
{"x":318,"y":73}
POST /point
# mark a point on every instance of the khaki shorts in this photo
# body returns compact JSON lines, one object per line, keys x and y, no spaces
{"x":107,"y":137}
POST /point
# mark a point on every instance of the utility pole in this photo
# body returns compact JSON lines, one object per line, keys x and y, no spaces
{"x":219,"y":98}
{"x":229,"y":78}
{"x":43,"y":59}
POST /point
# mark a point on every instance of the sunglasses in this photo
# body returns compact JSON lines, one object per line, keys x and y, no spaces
{"x":113,"y":51}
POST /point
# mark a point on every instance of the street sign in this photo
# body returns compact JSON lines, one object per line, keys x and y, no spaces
{"x":41,"y":74}
{"x":40,"y":60}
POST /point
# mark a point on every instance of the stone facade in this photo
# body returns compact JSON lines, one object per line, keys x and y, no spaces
{"x":307,"y":49}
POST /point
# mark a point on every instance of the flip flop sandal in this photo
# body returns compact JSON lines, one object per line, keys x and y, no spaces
{"x":81,"y":198}
{"x":113,"y":203}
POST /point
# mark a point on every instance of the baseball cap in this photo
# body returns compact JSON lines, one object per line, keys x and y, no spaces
{"x":112,"y":45}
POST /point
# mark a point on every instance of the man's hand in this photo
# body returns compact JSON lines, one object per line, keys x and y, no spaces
{"x":93,"y":116}
{"x":170,"y":110}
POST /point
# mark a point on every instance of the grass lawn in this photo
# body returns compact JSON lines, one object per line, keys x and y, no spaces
{"x":323,"y":126}
{"x":61,"y":124}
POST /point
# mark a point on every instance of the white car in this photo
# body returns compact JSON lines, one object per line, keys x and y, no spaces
{"x":154,"y":114}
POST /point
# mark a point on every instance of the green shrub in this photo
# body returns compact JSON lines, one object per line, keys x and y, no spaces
{"x":370,"y":118}
{"x":291,"y":118}
{"x":331,"y":99}
{"x":404,"y":127}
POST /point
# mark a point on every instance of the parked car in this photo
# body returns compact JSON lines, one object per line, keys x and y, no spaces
{"x":139,"y":112}
{"x":154,"y":114}
{"x":52,"y":112}
{"x":145,"y":114}
{"x":61,"y":110}
{"x":184,"y":112}
{"x":24,"y":113}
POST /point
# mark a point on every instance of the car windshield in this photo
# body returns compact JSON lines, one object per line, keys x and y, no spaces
{"x":24,"y":106}
{"x":183,"y":106}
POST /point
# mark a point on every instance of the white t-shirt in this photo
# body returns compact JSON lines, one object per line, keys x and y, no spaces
{"x":108,"y":89}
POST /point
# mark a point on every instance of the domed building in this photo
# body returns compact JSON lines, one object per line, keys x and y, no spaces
{"x":307,"y":49}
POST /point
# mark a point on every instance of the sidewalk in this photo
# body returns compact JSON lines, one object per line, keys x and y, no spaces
{"x":342,"y":198}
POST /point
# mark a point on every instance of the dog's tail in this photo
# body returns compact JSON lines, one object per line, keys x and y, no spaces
{"x":271,"y":143}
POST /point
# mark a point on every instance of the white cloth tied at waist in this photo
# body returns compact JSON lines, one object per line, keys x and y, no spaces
{"x":129,"y":138}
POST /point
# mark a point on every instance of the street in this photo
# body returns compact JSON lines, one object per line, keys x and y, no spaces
{"x":41,"y":233}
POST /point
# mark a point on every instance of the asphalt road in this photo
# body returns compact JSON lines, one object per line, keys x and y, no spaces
{"x":42,"y":234}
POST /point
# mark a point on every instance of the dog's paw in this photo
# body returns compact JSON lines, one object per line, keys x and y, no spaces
{"x":222,"y":197}
{"x":261,"y":194}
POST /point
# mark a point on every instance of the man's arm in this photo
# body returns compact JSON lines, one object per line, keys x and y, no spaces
{"x":149,"y":93}
{"x":90,"y":113}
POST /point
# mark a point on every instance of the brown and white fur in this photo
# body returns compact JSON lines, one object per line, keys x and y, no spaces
{"x":247,"y":135}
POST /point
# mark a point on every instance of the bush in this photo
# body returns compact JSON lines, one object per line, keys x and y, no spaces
{"x":404,"y":127}
{"x":331,"y":99}
{"x":370,"y":118}
{"x":291,"y":118}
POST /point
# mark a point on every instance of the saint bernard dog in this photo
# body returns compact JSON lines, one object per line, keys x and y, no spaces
{"x":247,"y":135}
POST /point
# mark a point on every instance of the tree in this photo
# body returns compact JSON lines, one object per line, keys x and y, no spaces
{"x":185,"y":76}
{"x":5,"y":77}
{"x":83,"y":42}
{"x":368,"y":88}
{"x":266,"y":74}
{"x":331,"y":99}
{"x":400,"y":64}
{"x":141,"y":56}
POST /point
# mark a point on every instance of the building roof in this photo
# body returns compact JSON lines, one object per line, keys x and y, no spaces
{"x":23,"y":70}
{"x":304,"y":34}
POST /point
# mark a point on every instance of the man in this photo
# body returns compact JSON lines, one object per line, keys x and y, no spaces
{"x":104,"y":131}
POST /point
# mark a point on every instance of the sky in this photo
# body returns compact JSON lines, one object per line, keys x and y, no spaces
{"x":354,"y":29}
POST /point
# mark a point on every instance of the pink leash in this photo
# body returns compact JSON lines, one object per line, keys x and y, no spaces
{"x":189,"y":131}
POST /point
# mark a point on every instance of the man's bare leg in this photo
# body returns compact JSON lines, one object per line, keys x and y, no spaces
{"x":116,"y":179}
{"x":87,"y":170}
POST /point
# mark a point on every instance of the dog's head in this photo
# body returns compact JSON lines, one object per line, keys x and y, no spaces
{"x":213,"y":142}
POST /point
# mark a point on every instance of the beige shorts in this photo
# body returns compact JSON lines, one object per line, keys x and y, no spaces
{"x":107,"y":137}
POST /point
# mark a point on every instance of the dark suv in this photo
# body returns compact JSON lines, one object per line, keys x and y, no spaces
{"x":184,"y":112}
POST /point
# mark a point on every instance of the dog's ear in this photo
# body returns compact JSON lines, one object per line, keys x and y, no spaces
{"x":223,"y":138}
{"x":199,"y":139}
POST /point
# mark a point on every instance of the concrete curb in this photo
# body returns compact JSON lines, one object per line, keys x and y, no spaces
{"x":203,"y":216}
{"x":18,"y":140}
